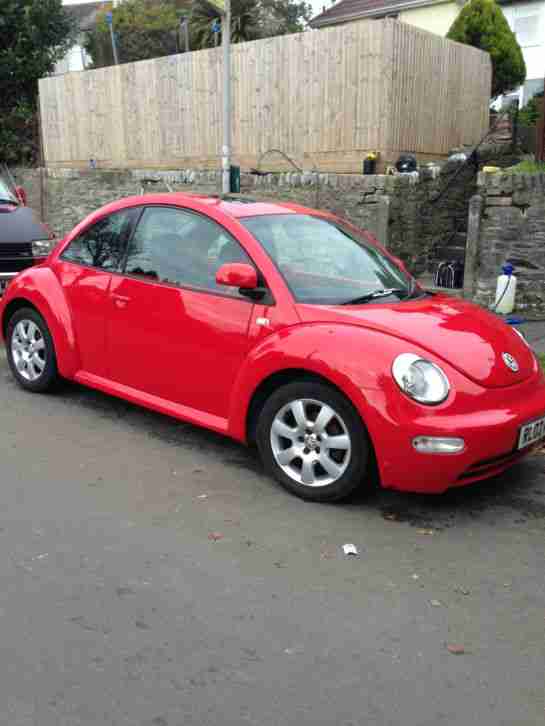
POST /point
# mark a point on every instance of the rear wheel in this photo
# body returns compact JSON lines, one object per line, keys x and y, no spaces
{"x":312,"y":441}
{"x":30,"y":351}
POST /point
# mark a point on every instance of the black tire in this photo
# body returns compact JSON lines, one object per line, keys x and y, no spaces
{"x":346,"y":421}
{"x":48,"y":377}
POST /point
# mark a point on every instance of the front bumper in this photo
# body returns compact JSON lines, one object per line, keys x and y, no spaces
{"x":489,"y":425}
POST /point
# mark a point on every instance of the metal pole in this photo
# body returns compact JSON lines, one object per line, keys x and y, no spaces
{"x":226,"y":148}
{"x":186,"y":35}
{"x":109,"y":20}
{"x":114,"y":45}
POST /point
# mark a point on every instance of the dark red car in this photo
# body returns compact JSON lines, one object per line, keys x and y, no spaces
{"x":24,"y":240}
{"x":284,"y":326}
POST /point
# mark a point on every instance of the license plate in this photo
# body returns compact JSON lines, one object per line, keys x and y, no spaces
{"x":531,"y":432}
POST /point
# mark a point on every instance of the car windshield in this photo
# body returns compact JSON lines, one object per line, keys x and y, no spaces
{"x":325,"y":262}
{"x":6,"y":191}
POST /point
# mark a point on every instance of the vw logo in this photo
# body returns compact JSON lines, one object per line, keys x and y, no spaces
{"x":510,"y":362}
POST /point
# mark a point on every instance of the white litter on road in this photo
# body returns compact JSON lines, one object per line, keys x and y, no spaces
{"x":350,"y":549}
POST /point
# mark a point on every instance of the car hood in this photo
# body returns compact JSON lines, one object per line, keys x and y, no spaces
{"x":21,"y":224}
{"x":464,"y":335}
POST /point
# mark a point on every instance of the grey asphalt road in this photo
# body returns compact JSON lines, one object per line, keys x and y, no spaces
{"x":116,"y":607}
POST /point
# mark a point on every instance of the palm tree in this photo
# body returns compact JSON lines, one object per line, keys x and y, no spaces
{"x":245,"y":22}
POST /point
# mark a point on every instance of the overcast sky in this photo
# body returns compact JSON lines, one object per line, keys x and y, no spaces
{"x":316,"y":4}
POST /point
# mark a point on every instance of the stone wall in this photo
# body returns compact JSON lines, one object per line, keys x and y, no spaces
{"x":512,"y":228}
{"x":415,"y":215}
{"x":410,"y":213}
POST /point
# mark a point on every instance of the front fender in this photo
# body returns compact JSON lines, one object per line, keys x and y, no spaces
{"x":354,"y":359}
{"x":40,"y":287}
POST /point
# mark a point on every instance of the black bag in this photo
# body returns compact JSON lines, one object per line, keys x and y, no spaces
{"x":449,"y":274}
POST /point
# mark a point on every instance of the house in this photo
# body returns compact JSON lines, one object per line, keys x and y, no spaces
{"x":526,"y":19}
{"x":77,"y":59}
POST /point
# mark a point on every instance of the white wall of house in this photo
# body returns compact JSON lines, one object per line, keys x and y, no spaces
{"x":435,"y":18}
{"x":527,"y":21}
{"x":75,"y":60}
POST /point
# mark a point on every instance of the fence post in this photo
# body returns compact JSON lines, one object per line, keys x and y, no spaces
{"x":472,"y":245}
{"x":540,"y":151}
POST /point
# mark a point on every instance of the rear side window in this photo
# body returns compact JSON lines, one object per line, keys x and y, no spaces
{"x":101,"y":245}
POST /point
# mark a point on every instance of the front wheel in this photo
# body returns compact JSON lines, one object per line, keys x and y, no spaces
{"x":30,"y":351}
{"x":313,"y":442}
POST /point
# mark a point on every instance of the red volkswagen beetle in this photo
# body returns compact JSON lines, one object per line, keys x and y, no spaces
{"x":283,"y":326}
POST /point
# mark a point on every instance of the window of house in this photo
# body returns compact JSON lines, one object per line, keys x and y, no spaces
{"x":181,"y":248}
{"x":101,"y":245}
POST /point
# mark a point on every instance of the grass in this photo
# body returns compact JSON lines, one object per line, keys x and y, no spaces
{"x":526,"y":167}
{"x":541,"y":359}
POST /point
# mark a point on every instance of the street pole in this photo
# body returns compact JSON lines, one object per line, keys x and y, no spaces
{"x":109,"y":20}
{"x":186,"y":35}
{"x":226,"y":147}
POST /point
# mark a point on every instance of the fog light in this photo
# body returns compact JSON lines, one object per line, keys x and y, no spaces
{"x":436,"y":445}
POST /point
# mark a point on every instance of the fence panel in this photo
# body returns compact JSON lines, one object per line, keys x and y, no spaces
{"x":324,"y":98}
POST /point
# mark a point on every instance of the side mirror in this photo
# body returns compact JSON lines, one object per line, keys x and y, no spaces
{"x":21,"y":195}
{"x":237,"y":274}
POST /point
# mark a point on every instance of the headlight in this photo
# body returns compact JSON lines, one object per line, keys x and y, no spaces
{"x":42,"y":247}
{"x":420,"y":379}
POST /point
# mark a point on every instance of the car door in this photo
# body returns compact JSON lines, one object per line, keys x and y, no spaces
{"x":85,"y":270}
{"x":172,"y":332}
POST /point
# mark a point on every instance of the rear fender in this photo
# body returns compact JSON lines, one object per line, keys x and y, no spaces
{"x":40,"y":287}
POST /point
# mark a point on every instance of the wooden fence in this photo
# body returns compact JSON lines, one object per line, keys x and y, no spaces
{"x":323,"y":97}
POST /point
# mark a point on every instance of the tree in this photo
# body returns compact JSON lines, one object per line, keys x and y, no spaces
{"x":529,"y":115}
{"x":290,"y":16}
{"x":251,"y":19}
{"x":482,"y":24}
{"x":143,"y":30}
{"x":245,"y":22}
{"x":34,"y":35}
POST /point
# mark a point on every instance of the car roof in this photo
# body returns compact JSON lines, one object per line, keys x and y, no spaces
{"x":233,"y":206}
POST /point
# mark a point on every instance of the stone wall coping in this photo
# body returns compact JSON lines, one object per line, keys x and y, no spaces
{"x":368,"y":184}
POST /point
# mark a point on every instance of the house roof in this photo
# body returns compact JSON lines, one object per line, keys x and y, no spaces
{"x":85,"y":14}
{"x":346,"y":10}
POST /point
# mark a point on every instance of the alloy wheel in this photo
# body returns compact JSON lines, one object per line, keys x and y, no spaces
{"x":28,"y":350}
{"x":310,"y":442}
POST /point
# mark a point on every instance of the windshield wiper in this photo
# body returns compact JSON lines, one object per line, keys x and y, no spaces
{"x":375,"y":295}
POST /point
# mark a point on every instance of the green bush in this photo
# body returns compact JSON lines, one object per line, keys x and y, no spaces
{"x":19,"y":135}
{"x":34,"y":35}
{"x":482,"y":24}
{"x":529,"y":115}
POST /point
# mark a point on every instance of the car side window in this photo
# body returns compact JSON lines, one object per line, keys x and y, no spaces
{"x":101,"y":245}
{"x":182,"y":248}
